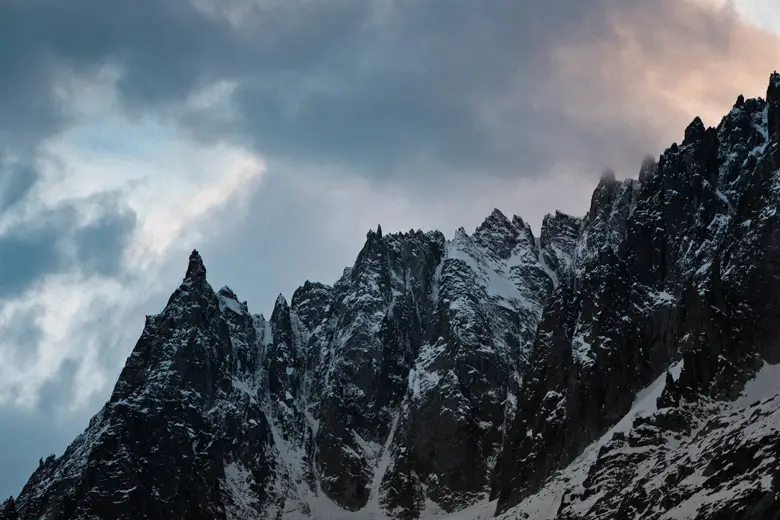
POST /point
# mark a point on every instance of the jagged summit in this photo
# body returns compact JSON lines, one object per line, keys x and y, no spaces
{"x":774,"y":80}
{"x":196,"y":271}
{"x":495,"y":217}
{"x":594,"y":372}
{"x":374,"y":234}
{"x":773,"y":102}
{"x":8,"y":509}
{"x":694,"y":132}
{"x":227,"y":292}
{"x":281,"y":301}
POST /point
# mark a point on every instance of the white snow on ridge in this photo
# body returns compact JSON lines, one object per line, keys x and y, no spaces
{"x":494,"y":275}
{"x":228,"y":303}
{"x":544,"y":504}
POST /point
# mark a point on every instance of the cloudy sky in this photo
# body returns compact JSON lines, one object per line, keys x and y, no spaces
{"x":271,"y":134}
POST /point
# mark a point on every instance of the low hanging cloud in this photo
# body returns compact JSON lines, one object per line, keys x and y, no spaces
{"x":272,"y":134}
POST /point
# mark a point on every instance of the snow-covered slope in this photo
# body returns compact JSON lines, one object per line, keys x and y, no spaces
{"x":592,"y":372}
{"x":674,"y":463}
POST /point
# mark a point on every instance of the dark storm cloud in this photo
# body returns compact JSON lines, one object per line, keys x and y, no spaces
{"x":370,"y":84}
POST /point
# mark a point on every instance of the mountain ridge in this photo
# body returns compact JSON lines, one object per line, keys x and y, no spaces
{"x":469,"y":375}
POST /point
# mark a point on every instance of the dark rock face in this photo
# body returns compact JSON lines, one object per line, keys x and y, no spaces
{"x":8,"y":510}
{"x":558,"y":240}
{"x":179,"y":430}
{"x":583,"y":374}
{"x":489,"y":292}
{"x":682,"y":265}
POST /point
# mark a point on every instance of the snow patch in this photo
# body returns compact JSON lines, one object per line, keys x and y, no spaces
{"x":766,"y":384}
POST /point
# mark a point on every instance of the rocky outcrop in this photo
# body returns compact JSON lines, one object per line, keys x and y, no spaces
{"x":489,"y":291}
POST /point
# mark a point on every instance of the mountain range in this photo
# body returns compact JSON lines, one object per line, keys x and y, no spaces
{"x":619,"y":365}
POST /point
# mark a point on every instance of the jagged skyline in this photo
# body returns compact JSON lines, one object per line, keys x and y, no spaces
{"x":625,"y":355}
{"x":182,"y":125}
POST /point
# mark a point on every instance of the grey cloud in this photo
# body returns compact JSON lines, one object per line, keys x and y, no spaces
{"x":57,"y":391}
{"x":340,"y":81}
{"x":281,"y":244}
{"x":24,"y":438}
{"x":29,"y":435}
{"x":16,"y":181}
{"x":100,"y":246}
{"x":372,"y":85}
{"x":56,"y":242}
{"x":24,"y":258}
{"x":23,"y":335}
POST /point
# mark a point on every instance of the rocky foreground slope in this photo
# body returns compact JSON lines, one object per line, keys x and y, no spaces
{"x":590,"y":372}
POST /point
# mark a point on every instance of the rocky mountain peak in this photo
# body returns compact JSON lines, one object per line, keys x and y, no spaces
{"x":774,"y":84}
{"x":648,"y":169}
{"x":607,"y":177}
{"x":495,"y":224}
{"x":695,"y":131}
{"x":281,"y":303}
{"x":519,"y":223}
{"x":558,"y":240}
{"x":227,"y":292}
{"x":500,"y":235}
{"x":196,"y":271}
{"x":8,"y":510}
{"x":495,"y":219}
{"x":460,"y":234}
{"x":374,"y":234}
